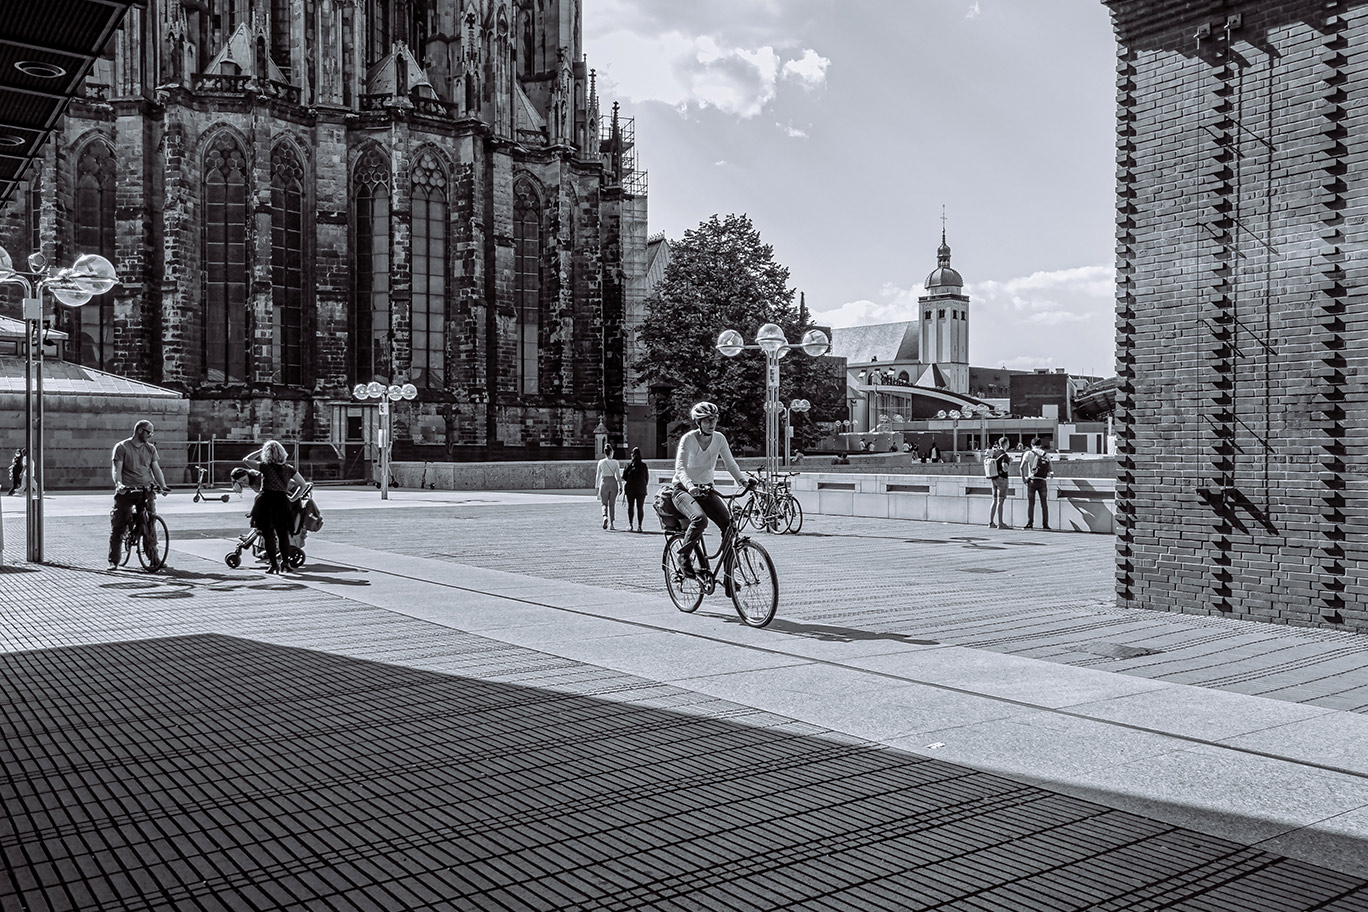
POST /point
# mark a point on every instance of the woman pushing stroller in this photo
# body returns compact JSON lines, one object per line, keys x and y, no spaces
{"x":272,"y":513}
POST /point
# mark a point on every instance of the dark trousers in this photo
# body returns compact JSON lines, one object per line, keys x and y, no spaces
{"x":119,"y":519}
{"x":1036,"y":487}
{"x":636,"y":506}
{"x":699,"y":511}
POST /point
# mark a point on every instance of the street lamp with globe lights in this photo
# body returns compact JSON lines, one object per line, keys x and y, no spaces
{"x":71,"y":286}
{"x":770,"y":339}
{"x":385,"y":394}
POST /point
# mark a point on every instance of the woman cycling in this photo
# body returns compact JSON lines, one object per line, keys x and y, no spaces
{"x":695,"y":466}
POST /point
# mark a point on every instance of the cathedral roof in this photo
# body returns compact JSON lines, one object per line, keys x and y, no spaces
{"x":885,"y":343}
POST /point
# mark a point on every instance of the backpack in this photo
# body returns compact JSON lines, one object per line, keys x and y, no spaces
{"x":990,"y":462}
{"x":1042,"y":467}
{"x":671,"y":520}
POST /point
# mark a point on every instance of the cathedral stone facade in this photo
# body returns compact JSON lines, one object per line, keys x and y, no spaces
{"x":1242,"y":308}
{"x":304,"y":195}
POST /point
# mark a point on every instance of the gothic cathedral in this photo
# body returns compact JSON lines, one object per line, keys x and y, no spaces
{"x":304,"y":195}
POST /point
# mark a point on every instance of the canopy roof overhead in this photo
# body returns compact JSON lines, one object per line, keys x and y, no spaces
{"x":46,"y":49}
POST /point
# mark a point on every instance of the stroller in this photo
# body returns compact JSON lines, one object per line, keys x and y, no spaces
{"x":307,"y":518}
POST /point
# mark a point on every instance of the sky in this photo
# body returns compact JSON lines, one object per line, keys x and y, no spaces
{"x":845,"y":128}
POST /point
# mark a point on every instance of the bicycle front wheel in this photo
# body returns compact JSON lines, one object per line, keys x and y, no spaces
{"x":153,"y":547}
{"x":795,"y":514}
{"x":754,"y":584}
{"x":686,"y":592}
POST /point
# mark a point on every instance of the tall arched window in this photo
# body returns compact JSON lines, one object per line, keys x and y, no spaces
{"x":377,"y":30}
{"x":371,"y":307}
{"x":527,"y":244}
{"x":224,"y":256}
{"x":429,"y":272}
{"x":280,"y":35}
{"x":94,"y":322}
{"x":287,"y":266}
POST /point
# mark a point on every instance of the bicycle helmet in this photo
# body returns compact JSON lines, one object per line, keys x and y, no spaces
{"x":703,"y":410}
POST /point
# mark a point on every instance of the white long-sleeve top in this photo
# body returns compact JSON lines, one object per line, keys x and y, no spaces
{"x":607,"y":468}
{"x":695,"y":465}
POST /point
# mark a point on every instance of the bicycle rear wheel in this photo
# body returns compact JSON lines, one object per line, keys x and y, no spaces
{"x":754,"y":584}
{"x":795,"y":514}
{"x":686,"y":592}
{"x":153,"y":546}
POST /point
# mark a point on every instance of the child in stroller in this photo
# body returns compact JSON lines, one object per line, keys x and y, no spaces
{"x":307,"y":518}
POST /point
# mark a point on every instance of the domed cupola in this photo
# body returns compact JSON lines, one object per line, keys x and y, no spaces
{"x":943,"y":276}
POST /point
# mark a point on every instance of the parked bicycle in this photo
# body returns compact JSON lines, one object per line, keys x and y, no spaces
{"x":775,"y":508}
{"x":742,"y":566}
{"x":147,"y":533}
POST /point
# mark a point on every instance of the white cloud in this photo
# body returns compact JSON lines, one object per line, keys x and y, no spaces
{"x":810,"y":69}
{"x":973,"y":11}
{"x":794,"y":132}
{"x":1051,"y":298}
{"x":671,"y":67}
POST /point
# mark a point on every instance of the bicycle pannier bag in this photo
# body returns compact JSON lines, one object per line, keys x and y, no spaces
{"x":671,"y":520}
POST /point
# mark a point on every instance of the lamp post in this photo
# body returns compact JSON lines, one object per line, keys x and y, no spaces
{"x":770,"y":339}
{"x":385,"y":394}
{"x":797,"y":405}
{"x":73,"y":286}
{"x":954,"y":416}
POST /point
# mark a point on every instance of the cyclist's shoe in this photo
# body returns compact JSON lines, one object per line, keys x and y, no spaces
{"x":113,"y":565}
{"x":686,"y":569}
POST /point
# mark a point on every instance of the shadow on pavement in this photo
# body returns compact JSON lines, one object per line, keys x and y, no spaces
{"x":829,"y":634}
{"x":217,"y":772}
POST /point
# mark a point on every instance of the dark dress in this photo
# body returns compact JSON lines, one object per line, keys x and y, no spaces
{"x":272,"y":512}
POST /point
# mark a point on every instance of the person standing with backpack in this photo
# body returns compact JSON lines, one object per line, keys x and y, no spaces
{"x":996,"y":463}
{"x":1035,"y":469}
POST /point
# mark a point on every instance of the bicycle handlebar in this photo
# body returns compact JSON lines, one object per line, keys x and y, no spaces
{"x":142,"y":489}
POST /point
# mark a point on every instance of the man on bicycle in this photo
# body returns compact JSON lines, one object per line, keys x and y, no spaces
{"x":135,"y":467}
{"x":695,"y":466}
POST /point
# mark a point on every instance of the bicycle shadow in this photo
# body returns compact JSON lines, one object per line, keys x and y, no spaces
{"x":827,"y":633}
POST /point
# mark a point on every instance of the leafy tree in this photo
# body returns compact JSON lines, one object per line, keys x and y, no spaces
{"x":722,"y":276}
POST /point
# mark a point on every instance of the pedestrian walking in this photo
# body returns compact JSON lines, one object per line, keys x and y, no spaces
{"x":1035,"y":470}
{"x":996,"y":464}
{"x":636,"y":478}
{"x":608,"y":484}
{"x":16,"y":471}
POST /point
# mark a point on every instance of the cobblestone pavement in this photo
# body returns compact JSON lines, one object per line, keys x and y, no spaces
{"x":215,"y":739}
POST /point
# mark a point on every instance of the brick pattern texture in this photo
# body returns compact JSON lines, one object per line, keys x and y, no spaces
{"x":1240,"y":311}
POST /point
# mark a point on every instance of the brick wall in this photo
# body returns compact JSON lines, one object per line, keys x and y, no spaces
{"x":1241,"y":316}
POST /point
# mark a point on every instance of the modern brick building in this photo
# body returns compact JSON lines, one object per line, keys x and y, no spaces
{"x":302,"y":195}
{"x":1242,"y":316}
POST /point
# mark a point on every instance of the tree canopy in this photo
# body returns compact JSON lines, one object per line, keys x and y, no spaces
{"x":722,"y":276}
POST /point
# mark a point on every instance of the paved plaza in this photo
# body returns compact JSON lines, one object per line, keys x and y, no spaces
{"x":485,"y":701}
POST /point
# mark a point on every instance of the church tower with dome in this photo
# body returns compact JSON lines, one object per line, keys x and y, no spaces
{"x":944,"y":337}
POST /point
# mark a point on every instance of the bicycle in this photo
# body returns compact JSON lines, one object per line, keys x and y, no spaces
{"x":147,"y":533}
{"x":774,"y":508}
{"x":747,"y":572}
